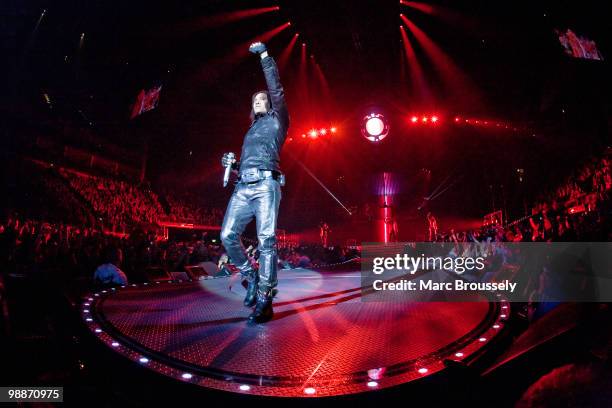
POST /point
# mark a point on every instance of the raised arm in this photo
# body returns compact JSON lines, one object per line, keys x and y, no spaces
{"x":275,"y":88}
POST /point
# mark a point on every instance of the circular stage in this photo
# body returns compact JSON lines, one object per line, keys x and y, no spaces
{"x":324,"y":339}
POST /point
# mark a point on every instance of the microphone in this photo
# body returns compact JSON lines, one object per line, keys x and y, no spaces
{"x":230,"y":156}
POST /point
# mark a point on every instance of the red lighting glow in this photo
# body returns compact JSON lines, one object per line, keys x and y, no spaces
{"x":426,"y":119}
{"x":314,"y":133}
{"x":488,"y":123}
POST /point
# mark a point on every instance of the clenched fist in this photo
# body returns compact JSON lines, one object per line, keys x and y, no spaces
{"x":257,"y":47}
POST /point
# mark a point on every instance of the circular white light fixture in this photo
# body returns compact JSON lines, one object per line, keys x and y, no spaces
{"x":374,"y":127}
{"x":309,"y":391}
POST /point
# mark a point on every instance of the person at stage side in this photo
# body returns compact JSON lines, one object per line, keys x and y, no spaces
{"x":108,"y":274}
{"x":433,"y":227}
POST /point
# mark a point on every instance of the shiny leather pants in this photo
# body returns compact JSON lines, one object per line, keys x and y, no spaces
{"x":261,"y":201}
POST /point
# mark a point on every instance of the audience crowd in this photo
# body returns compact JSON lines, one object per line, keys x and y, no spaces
{"x":577,"y":210}
{"x":188,"y":207}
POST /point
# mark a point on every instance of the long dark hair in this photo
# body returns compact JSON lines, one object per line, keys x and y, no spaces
{"x":252,"y":114}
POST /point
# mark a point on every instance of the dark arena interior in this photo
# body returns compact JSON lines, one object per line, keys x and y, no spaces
{"x":141,"y":263}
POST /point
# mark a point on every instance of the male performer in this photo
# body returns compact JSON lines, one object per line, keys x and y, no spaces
{"x":258,"y":190}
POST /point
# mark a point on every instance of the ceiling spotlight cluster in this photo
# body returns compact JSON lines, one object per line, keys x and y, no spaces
{"x":315,"y":133}
{"x":486,"y":123}
{"x":425,"y":119}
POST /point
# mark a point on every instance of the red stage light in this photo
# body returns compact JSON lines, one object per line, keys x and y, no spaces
{"x":303,"y":44}
{"x":323,"y":132}
{"x":457,"y":118}
{"x":424,"y":119}
{"x":303,"y":135}
{"x":313,"y":133}
{"x":333,"y":130}
{"x":414,"y":119}
{"x":434,"y":119}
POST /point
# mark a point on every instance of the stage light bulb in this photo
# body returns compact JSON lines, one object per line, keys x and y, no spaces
{"x":375,"y":126}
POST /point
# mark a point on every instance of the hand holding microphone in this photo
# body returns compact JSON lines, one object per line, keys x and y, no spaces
{"x":228,"y":161}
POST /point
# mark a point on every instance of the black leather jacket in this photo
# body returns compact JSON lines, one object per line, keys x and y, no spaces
{"x":264,"y":139}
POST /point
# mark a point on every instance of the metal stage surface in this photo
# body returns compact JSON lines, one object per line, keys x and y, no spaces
{"x":324,"y":340}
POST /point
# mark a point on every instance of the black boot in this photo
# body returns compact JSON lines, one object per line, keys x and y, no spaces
{"x":251,"y":296}
{"x":263,"y":310}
